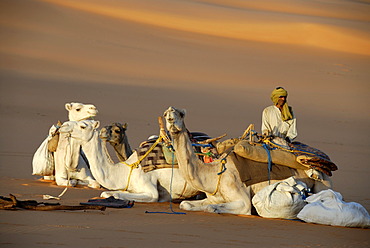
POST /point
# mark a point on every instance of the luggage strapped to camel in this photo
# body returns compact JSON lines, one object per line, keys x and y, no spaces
{"x":260,"y":148}
{"x":162,"y":155}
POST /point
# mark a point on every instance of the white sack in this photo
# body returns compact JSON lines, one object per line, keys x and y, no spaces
{"x":282,"y":199}
{"x":43,"y":160}
{"x":327,"y":207}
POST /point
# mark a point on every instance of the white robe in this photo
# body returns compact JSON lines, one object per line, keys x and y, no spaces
{"x":274,"y":125}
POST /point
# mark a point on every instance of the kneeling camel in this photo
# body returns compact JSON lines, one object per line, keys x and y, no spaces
{"x":220,"y":180}
{"x":128,"y":180}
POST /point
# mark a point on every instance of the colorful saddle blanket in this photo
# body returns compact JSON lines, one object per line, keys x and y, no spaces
{"x":161,"y":157}
{"x":155,"y":159}
{"x":313,"y":157}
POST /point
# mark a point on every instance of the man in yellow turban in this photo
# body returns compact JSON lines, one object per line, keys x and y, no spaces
{"x":278,"y":120}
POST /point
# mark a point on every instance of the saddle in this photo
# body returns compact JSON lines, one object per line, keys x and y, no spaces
{"x":161,"y":156}
{"x":252,"y":172}
{"x":299,"y":156}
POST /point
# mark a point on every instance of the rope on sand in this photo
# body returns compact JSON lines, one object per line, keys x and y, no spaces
{"x":171,"y":209}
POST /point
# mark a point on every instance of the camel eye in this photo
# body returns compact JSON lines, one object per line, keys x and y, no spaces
{"x":83,"y":127}
{"x":78,"y":109}
{"x":116,"y":131}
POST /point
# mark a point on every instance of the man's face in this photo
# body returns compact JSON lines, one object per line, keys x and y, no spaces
{"x":281,"y":101}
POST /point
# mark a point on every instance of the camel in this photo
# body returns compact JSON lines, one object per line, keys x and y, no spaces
{"x":79,"y":111}
{"x":219,"y":180}
{"x":115,"y":134}
{"x":76,"y":112}
{"x":78,"y":170}
{"x":70,"y":167}
{"x":127,"y":181}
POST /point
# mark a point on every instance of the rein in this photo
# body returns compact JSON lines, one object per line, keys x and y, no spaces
{"x":219,"y":174}
{"x":222,"y":170}
{"x":136,"y":164}
{"x":173,"y":163}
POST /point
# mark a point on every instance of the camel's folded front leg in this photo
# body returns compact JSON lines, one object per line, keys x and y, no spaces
{"x":63,"y":181}
{"x":137,"y":197}
{"x":197,"y":205}
{"x":235,"y":207}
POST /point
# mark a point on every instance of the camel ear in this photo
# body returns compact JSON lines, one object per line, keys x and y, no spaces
{"x":165,"y":112}
{"x":125,"y":126}
{"x":96,"y":124}
{"x":182,"y":112}
{"x":65,"y":127}
{"x":68,"y":106}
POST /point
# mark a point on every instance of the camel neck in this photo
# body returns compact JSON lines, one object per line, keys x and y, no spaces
{"x":120,"y":151}
{"x":184,"y":153}
{"x":108,"y":174}
{"x":123,"y":149}
{"x":189,"y":164}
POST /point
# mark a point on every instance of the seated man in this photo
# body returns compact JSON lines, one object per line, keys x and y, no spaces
{"x":278,"y":120}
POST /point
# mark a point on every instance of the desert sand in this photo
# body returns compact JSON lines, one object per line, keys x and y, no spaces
{"x":219,"y":60}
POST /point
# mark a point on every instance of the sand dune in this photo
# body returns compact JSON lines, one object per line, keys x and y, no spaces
{"x":350,"y":10}
{"x":268,"y":24}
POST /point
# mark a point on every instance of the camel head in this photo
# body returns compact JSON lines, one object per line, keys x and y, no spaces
{"x":114,"y":133}
{"x":80,"y":130}
{"x":79,"y":111}
{"x":175,"y":119}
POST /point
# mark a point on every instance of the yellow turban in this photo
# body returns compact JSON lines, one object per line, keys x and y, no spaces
{"x":286,"y":113}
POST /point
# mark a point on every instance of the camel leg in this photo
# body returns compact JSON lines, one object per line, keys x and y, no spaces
{"x":65,"y":182}
{"x":197,"y":205}
{"x":235,"y":207}
{"x":237,"y":203}
{"x":326,"y":183}
{"x":150,"y":194}
{"x":61,"y":179}
{"x":124,"y":195}
{"x":87,"y":181}
{"x":84,"y":176}
{"x":49,"y":178}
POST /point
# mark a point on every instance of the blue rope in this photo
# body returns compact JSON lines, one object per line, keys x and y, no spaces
{"x":202,"y":145}
{"x":269,"y":167}
{"x":171,"y":209}
{"x":223,"y":161}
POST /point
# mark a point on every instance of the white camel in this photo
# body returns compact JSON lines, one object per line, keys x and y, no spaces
{"x":70,"y":167}
{"x":76,"y":112}
{"x":128,"y":183}
{"x":79,"y":111}
{"x":74,"y":169}
{"x":220,"y":180}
